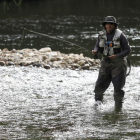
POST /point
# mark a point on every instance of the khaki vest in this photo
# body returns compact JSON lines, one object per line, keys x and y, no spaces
{"x":108,"y":49}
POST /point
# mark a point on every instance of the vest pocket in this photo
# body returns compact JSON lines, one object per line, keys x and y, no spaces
{"x":102,"y":43}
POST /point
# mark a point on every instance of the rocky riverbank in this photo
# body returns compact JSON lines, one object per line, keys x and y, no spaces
{"x":46,"y":58}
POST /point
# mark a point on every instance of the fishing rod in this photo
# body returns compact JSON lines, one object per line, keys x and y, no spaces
{"x":57,"y":38}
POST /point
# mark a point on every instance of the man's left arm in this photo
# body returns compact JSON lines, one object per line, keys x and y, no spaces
{"x":125,"y":46}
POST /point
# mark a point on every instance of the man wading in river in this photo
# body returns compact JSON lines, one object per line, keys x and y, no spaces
{"x":114,"y":47}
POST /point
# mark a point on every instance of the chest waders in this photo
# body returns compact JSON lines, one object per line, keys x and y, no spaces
{"x":111,"y":70}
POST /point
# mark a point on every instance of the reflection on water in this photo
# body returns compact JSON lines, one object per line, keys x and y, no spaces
{"x":58,"y":104}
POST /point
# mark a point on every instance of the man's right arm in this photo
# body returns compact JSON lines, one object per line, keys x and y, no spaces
{"x":96,"y":48}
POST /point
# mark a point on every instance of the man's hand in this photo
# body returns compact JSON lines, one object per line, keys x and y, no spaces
{"x":94,"y":52}
{"x":112,"y":57}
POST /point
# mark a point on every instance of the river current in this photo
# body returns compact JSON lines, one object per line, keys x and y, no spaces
{"x":56,"y":104}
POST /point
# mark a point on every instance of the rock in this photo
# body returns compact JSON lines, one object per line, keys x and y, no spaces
{"x":2,"y":63}
{"x":53,"y":59}
{"x":10,"y":63}
{"x":14,"y":51}
{"x":16,"y":59}
{"x":46,"y":66}
{"x":25,"y":54}
{"x":43,"y":50}
{"x":5,"y":50}
{"x":37,"y":65}
{"x":59,"y":58}
{"x":91,"y":60}
{"x":60,"y":64}
{"x":26,"y":50}
{"x":97,"y":61}
{"x":3,"y":59}
{"x":31,"y":54}
{"x":26,"y":62}
{"x":21,"y":52}
{"x":46,"y":58}
{"x":76,"y":60}
{"x":81,"y":62}
{"x":52,"y":54}
{"x":86,"y":67}
{"x":38,"y":58}
{"x":65,"y":57}
{"x":75,"y":65}
{"x":46,"y":61}
{"x":59,"y":80}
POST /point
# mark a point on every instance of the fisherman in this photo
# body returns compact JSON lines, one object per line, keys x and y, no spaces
{"x":114,"y":47}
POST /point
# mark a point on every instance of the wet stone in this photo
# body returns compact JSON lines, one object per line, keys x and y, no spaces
{"x":2,"y":63}
{"x":37,"y":65}
{"x":10,"y":63}
{"x":14,"y":51}
{"x":47,"y":66}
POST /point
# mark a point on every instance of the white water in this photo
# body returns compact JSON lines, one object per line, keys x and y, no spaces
{"x":58,"y":104}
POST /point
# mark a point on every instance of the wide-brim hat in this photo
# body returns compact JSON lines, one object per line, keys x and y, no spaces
{"x":110,"y":19}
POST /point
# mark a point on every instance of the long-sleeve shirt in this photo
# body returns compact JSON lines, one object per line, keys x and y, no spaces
{"x":123,"y":42}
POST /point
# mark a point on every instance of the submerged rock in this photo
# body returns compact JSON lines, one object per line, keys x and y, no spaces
{"x":46,"y":58}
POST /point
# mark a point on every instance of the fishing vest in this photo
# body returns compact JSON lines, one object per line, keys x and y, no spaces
{"x":110,"y":47}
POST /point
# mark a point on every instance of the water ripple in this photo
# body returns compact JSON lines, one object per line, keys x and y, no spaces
{"x":58,"y":104}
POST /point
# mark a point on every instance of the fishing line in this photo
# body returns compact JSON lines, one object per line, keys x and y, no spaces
{"x":56,"y":38}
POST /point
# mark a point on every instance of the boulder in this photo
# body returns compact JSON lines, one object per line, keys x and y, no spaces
{"x":43,"y":50}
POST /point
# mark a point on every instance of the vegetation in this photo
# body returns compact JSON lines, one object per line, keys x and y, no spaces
{"x":17,"y":2}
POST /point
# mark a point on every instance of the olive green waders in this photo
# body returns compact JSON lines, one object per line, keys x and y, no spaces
{"x":115,"y":72}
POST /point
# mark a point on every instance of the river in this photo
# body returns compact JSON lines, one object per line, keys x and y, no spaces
{"x":58,"y":104}
{"x":54,"y":104}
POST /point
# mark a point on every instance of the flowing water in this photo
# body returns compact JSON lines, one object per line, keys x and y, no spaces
{"x":54,"y":104}
{"x":58,"y":104}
